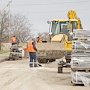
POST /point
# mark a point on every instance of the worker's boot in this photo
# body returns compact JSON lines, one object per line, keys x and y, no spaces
{"x":35,"y":65}
{"x":30,"y":65}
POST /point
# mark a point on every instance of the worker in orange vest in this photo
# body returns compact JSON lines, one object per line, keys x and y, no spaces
{"x":13,"y":40}
{"x":31,"y":48}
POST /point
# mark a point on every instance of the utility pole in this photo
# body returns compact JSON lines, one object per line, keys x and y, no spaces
{"x":9,"y":3}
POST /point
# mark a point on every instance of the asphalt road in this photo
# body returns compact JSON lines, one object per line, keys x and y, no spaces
{"x":16,"y":75}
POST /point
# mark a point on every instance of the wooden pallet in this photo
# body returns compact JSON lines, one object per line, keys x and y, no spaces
{"x":76,"y":77}
{"x":80,"y":69}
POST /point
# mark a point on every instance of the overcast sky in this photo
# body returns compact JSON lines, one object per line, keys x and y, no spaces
{"x":40,"y":11}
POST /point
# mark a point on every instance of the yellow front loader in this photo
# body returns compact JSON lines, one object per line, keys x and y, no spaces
{"x":65,"y":27}
{"x":61,"y":34}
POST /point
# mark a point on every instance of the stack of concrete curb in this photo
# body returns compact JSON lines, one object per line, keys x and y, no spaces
{"x":80,"y":62}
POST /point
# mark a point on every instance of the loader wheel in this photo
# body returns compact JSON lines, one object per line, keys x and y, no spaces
{"x":68,"y":60}
{"x":42,"y":60}
{"x":51,"y":60}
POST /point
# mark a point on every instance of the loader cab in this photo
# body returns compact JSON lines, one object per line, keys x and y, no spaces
{"x":59,"y":27}
{"x":62,"y":26}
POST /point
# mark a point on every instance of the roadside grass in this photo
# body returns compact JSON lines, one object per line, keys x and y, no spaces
{"x":4,"y":53}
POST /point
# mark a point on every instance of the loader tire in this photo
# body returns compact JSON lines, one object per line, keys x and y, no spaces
{"x":51,"y":60}
{"x":42,"y":60}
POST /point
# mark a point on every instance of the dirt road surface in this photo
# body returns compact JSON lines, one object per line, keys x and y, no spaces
{"x":16,"y":75}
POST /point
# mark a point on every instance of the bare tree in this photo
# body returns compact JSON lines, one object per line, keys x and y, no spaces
{"x":21,"y":28}
{"x":16,"y":25}
{"x":3,"y":25}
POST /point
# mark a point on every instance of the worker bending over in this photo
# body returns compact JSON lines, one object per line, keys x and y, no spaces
{"x":39,"y":39}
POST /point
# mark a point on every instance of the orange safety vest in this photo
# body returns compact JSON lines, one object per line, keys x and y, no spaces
{"x":13,"y":39}
{"x":30,"y":47}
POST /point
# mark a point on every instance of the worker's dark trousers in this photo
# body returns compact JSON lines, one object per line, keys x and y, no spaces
{"x":33,"y":59}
